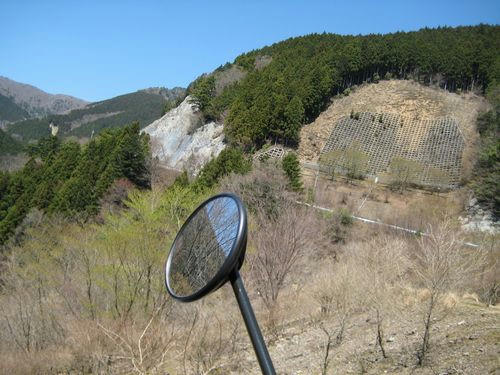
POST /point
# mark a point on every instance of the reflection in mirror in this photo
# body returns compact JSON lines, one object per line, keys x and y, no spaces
{"x":203,"y":245}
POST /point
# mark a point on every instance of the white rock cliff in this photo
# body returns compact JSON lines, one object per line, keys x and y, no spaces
{"x":180,"y":140}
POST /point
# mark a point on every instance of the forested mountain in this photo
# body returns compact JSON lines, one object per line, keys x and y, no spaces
{"x":10,"y":111}
{"x":8,"y":145}
{"x":272,"y":102}
{"x":267,"y":101}
{"x":35,"y":101}
{"x":143,"y":106}
{"x":169,"y":94}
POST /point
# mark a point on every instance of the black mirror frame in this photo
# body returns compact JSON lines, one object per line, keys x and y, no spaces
{"x":232,"y":262}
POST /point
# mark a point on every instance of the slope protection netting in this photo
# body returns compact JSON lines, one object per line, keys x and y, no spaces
{"x":433,"y":147}
{"x":274,"y":152}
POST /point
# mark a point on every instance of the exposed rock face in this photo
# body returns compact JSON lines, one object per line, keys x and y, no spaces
{"x":180,"y":140}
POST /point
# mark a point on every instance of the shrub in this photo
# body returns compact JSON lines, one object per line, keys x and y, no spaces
{"x":345,"y":217}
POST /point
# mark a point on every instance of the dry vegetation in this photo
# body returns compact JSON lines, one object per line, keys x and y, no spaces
{"x":332,"y":296}
{"x":414,"y":208}
{"x":12,"y":162}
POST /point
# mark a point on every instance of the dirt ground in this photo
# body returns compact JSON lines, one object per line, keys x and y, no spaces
{"x":465,"y":342}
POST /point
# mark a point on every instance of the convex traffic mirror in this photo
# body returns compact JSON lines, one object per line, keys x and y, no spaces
{"x":207,"y":252}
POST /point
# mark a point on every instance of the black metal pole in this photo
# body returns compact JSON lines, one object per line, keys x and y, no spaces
{"x":259,"y":345}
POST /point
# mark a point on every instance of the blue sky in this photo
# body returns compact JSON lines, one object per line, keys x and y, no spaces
{"x":95,"y":50}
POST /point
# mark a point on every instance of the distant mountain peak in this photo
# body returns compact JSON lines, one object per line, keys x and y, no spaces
{"x":37,"y":102}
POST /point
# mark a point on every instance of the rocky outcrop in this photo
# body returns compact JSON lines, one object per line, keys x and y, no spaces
{"x":180,"y":139}
{"x":479,"y":219}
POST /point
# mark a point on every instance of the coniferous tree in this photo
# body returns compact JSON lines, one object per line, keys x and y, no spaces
{"x":202,"y":93}
{"x":64,"y":178}
{"x":291,"y":166}
{"x":230,"y":160}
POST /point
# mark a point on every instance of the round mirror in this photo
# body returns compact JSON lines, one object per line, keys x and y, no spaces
{"x":210,"y":245}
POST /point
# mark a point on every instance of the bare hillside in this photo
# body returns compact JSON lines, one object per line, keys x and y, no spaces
{"x":400,"y":97}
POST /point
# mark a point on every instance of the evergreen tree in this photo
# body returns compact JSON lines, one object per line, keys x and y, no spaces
{"x":8,"y":145}
{"x":291,"y":166}
{"x":62,"y":177}
{"x":202,"y":93}
{"x":486,"y":179}
{"x":230,"y":160}
{"x":311,"y":69}
{"x":131,"y":155}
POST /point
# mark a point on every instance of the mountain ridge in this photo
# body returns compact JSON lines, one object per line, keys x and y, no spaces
{"x":144,"y":106}
{"x":35,"y":101}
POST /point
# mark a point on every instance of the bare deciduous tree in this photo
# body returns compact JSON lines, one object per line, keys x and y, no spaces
{"x":440,"y":264}
{"x":489,"y":288}
{"x":212,"y":344}
{"x":338,"y":295}
{"x":280,"y":243}
{"x":263,"y":189}
{"x":403,"y":173}
{"x":143,"y":349}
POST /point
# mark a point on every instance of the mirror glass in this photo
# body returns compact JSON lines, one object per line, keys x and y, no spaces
{"x":202,"y":246}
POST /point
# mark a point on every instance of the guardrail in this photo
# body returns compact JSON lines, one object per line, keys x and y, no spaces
{"x":377,"y":222}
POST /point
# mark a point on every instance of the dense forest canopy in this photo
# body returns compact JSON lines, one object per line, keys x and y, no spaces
{"x":10,"y":111}
{"x":68,"y":179}
{"x":273,"y":102}
{"x":8,"y":145}
{"x":486,"y":179}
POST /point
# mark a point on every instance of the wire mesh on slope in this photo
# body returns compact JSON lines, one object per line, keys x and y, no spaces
{"x":436,"y":146}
